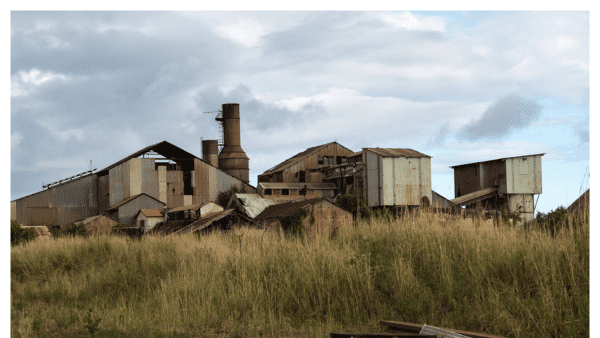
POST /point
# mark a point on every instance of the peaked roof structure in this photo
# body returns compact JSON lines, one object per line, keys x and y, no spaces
{"x":299,"y":157}
{"x":166,"y":149}
{"x":129,"y":199}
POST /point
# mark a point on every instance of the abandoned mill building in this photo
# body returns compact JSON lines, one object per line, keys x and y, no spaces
{"x":159,"y":176}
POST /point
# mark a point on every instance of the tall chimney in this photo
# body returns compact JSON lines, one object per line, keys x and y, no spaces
{"x":210,"y":152}
{"x":232,"y":158}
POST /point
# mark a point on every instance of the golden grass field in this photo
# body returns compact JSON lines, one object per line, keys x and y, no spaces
{"x":502,"y":281}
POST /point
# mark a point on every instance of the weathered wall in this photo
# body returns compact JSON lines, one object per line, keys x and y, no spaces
{"x":162,"y":183}
{"x":523,"y":205}
{"x":100,"y":225}
{"x":210,"y":181}
{"x":115,"y":184}
{"x":13,"y":210}
{"x":524,"y":175}
{"x":325,"y":220}
{"x":149,"y":178}
{"x":466,"y":180}
{"x":292,"y":174}
{"x":103,"y":194}
{"x":128,"y":211}
{"x":174,"y":188}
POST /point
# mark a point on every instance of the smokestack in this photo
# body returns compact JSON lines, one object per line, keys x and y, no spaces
{"x":232,"y":158}
{"x":210,"y":152}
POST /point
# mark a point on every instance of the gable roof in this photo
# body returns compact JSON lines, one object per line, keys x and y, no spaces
{"x":151,"y":212}
{"x":164,"y":148}
{"x":310,"y":186}
{"x":286,"y":209}
{"x":93,"y":218}
{"x":397,"y":152}
{"x":299,"y":157}
{"x":129,"y":199}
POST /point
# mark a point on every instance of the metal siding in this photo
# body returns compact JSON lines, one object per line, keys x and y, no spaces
{"x":371,"y":178}
{"x":149,"y":183}
{"x":125,"y":179}
{"x":128,"y":211}
{"x":135,"y":176}
{"x":162,"y":184}
{"x":425,"y":173}
{"x":174,"y":189}
{"x":387,"y":181}
{"x":524,"y":176}
{"x":103,"y":193}
{"x":115,"y":184}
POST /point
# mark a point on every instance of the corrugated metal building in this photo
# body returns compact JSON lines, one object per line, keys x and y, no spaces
{"x":504,"y":183}
{"x":396,"y":177}
{"x":296,"y":169}
{"x":162,"y":171}
{"x":98,"y":224}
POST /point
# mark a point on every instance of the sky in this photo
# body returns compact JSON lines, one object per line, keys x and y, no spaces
{"x":459,"y":86}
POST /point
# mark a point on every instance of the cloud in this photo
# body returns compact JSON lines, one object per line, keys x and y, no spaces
{"x":411,"y":21}
{"x":504,"y":116}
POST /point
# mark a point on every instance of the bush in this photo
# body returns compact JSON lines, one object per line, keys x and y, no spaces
{"x":224,"y":196}
{"x":119,"y":226}
{"x":349,"y":201}
{"x":74,"y":230}
{"x":292,"y":224}
{"x":19,"y":235}
{"x":554,"y":220}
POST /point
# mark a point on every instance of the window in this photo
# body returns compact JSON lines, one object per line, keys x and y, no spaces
{"x":285,"y":191}
{"x":302,"y":176}
{"x":268,"y":192}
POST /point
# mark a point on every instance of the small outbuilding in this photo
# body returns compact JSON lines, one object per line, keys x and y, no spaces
{"x":98,"y":224}
{"x":321,"y":216}
{"x":148,"y":218}
{"x":127,"y":210}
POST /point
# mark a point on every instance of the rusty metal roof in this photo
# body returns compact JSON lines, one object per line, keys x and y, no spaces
{"x":498,"y":159}
{"x":205,"y":221}
{"x":253,"y":204}
{"x":310,"y":186}
{"x":152,"y":212}
{"x":286,"y":209}
{"x":164,"y":148}
{"x":188,"y":207}
{"x":129,"y":199}
{"x":397,"y":152}
{"x":298,"y":157}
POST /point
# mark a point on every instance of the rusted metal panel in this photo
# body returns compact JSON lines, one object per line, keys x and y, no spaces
{"x":103,"y":193}
{"x":174,"y":189}
{"x":125,"y":179}
{"x":397,"y":180}
{"x":521,"y":204}
{"x":116,"y":184}
{"x":149,"y":178}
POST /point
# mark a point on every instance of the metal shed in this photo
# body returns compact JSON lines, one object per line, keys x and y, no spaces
{"x":396,"y":177}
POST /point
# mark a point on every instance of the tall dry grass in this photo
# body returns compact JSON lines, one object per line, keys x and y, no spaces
{"x":514,"y":283}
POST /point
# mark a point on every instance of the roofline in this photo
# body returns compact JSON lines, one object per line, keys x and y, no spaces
{"x":268,"y":171}
{"x":405,"y":156}
{"x":131,"y":198}
{"x":498,"y":159}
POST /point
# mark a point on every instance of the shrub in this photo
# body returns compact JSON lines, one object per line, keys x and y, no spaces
{"x":292,"y":224}
{"x":19,"y":235}
{"x":119,"y":226}
{"x":349,"y":202}
{"x":554,"y":220}
{"x":74,"y":229}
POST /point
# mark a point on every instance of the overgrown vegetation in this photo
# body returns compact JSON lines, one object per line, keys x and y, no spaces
{"x":504,"y":281}
{"x":292,"y":224}
{"x":349,"y":203}
{"x":224,"y":196}
{"x":121,"y":226}
{"x":74,"y":229}
{"x":19,"y":235}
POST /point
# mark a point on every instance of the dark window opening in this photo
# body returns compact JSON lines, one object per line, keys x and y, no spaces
{"x":341,"y":160}
{"x":302,"y":176}
{"x":187,"y":183}
{"x":285,"y":191}
{"x":321,"y":160}
{"x":268,"y":192}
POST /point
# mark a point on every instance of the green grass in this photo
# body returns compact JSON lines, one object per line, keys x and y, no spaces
{"x":508,"y":282}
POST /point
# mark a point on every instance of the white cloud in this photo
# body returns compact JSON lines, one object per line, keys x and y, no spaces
{"x":25,"y":82}
{"x":245,"y":32}
{"x":413,"y":22}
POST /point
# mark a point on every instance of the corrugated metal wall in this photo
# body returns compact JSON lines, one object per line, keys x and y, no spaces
{"x":524,"y":175}
{"x":174,"y":189}
{"x":210,"y":181}
{"x":115,"y":184}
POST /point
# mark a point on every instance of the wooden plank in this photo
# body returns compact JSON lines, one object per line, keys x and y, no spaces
{"x":378,"y":335}
{"x":417,"y":328}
